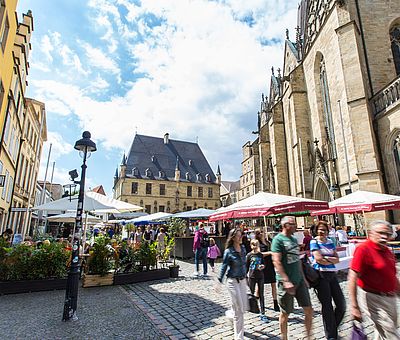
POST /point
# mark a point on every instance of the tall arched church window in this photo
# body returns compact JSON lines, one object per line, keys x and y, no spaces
{"x":328,"y":121}
{"x":395,"y":44}
{"x":396,"y":151}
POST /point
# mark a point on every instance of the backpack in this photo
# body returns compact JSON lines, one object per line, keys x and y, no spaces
{"x":205,"y":240}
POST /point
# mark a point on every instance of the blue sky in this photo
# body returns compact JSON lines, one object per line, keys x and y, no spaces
{"x":193,"y":68}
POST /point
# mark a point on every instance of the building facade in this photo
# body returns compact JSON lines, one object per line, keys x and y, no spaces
{"x":165,"y":175}
{"x":229,"y":192}
{"x":23,"y":128}
{"x":331,"y":123}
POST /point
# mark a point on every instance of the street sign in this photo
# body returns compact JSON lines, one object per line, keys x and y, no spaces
{"x":13,"y":209}
{"x":2,"y":180}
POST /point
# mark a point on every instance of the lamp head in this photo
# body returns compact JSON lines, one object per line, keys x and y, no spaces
{"x":73,"y":174}
{"x":85,"y":144}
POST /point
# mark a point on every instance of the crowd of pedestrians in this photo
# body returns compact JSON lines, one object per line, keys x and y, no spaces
{"x":252,"y":265}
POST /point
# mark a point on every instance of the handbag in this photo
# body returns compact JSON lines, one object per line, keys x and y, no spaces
{"x":357,"y":333}
{"x":311,"y":275}
{"x":253,"y":304}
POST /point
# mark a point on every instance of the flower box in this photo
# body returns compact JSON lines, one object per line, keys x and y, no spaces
{"x":90,"y":280}
{"x":26,"y":286}
{"x":126,"y":278}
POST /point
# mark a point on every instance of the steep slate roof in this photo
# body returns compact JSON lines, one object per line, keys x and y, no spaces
{"x":151,"y":153}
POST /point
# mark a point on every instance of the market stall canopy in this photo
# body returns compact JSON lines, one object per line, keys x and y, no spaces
{"x":264,"y":204}
{"x":198,"y":213}
{"x":160,"y":216}
{"x":70,"y":217}
{"x":363,"y":201}
{"x":93,"y":202}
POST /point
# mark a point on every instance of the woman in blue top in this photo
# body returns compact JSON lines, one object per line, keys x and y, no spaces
{"x":235,"y":263}
{"x":324,"y":257}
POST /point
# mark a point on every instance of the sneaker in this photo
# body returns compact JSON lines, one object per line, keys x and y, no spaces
{"x":229,"y":314}
{"x":196,"y":273}
{"x":264,"y":318}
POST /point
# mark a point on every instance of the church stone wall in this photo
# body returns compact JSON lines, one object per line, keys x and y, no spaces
{"x":338,"y":46}
{"x":376,"y":18}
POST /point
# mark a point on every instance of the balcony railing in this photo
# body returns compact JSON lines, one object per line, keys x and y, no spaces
{"x":387,"y":97}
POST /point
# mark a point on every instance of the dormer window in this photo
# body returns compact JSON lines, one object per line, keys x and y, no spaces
{"x":135,"y":171}
{"x":148,"y":172}
{"x":153,"y":159}
{"x":198,"y":177}
{"x":208,"y":178}
{"x":187,"y":176}
{"x":190,"y":162}
{"x":161,"y":174}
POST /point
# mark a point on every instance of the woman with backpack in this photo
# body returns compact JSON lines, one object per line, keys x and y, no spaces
{"x":200,"y":247}
{"x":324,"y":257}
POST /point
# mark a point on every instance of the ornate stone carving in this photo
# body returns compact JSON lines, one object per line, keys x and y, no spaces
{"x":316,"y":13}
{"x":320,"y":167}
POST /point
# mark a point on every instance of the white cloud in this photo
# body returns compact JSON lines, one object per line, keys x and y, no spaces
{"x":97,"y":58}
{"x":47,"y":47}
{"x":59,"y":147}
{"x":204,"y":70}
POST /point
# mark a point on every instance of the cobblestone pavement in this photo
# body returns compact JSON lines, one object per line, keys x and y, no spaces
{"x":104,"y":313}
{"x":183,"y":308}
{"x":191,"y":308}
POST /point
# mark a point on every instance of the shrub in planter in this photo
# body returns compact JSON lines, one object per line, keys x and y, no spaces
{"x":147,"y":255}
{"x":127,"y":258}
{"x":26,"y":262}
{"x":102,"y":255}
{"x":176,"y":227}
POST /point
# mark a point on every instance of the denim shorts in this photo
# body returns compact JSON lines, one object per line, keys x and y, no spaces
{"x":286,"y":301}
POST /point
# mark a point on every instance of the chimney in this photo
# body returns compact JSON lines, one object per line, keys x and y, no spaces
{"x":166,"y":138}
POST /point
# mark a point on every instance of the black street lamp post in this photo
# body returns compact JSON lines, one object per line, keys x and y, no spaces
{"x":85,"y":146}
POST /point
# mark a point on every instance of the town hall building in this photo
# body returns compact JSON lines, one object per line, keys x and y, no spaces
{"x":166,"y":175}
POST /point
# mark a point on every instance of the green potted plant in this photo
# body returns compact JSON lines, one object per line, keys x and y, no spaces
{"x":176,"y":227}
{"x":26,"y":267}
{"x":100,"y":263}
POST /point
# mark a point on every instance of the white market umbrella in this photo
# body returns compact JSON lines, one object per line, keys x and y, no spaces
{"x":70,"y":217}
{"x":264,"y":204}
{"x":198,"y":213}
{"x":93,"y":202}
{"x":160,"y":216}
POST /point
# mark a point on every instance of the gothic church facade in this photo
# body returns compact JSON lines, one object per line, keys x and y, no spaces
{"x":331,"y":122}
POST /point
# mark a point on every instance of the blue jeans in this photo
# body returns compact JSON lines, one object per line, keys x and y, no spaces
{"x":201,"y":252}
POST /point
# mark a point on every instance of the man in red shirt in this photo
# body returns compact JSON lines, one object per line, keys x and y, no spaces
{"x":373,"y":270}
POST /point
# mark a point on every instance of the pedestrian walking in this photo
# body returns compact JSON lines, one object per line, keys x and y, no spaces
{"x":201,"y":243}
{"x":212,"y":253}
{"x":148,"y":234}
{"x":290,"y":276}
{"x":255,"y":274}
{"x":234,"y":262}
{"x":269,"y":270}
{"x":324,"y":257}
{"x":341,"y":236}
{"x":161,"y":240}
{"x":373,"y":270}
{"x":306,"y":240}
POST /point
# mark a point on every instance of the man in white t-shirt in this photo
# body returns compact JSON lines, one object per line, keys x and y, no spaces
{"x":341,"y":235}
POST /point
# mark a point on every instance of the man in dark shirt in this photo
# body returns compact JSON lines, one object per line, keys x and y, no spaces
{"x":306,"y":240}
